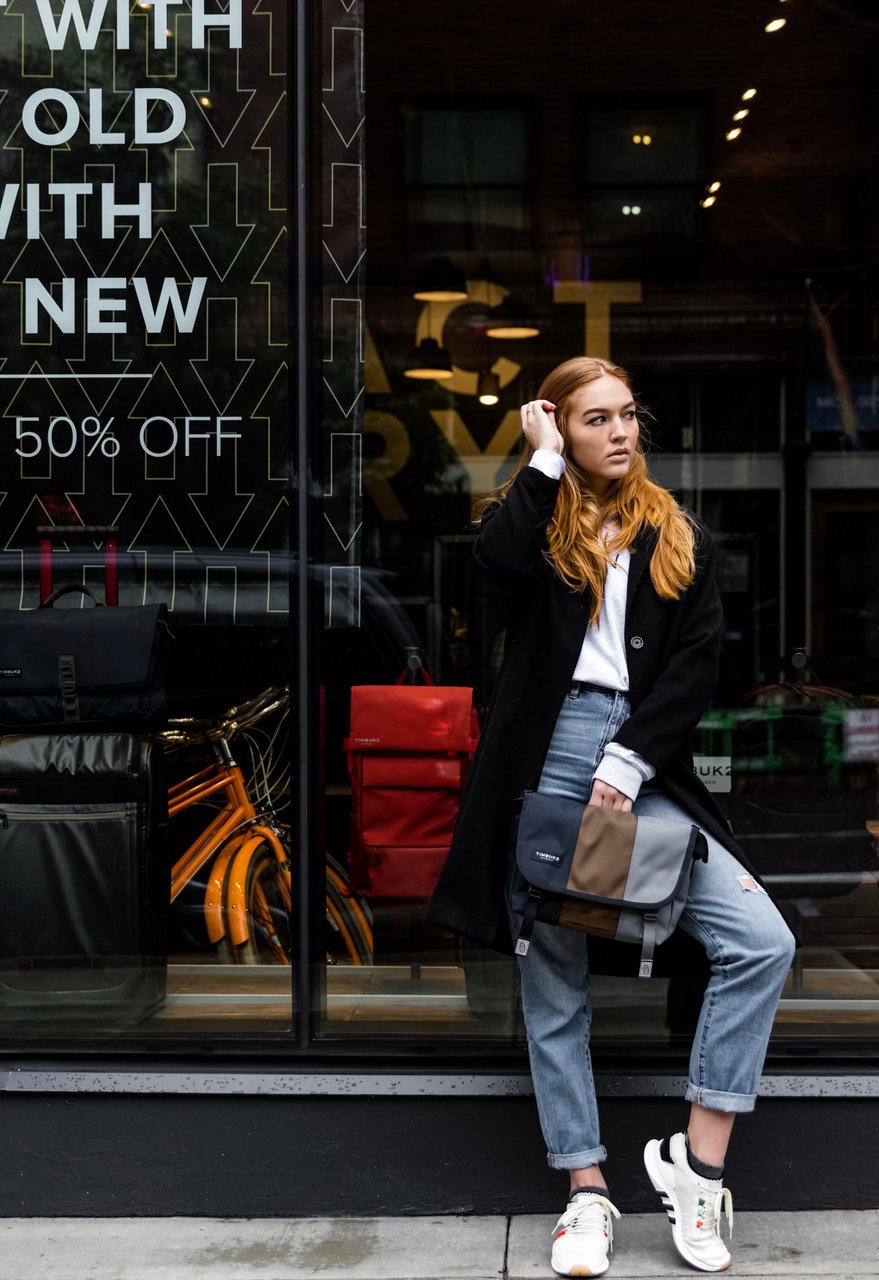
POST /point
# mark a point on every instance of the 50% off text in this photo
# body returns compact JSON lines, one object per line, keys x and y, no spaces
{"x":157,"y":437}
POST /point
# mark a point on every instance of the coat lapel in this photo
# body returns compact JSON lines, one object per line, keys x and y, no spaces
{"x":639,"y":562}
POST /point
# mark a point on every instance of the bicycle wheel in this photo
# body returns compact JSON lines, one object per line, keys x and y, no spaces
{"x":349,"y":916}
{"x":267,"y":903}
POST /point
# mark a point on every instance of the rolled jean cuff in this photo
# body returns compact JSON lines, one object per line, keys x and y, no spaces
{"x":714,"y":1100}
{"x":579,"y":1160}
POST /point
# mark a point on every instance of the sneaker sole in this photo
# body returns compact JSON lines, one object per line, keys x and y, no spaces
{"x":581,"y":1271}
{"x":656,"y":1172}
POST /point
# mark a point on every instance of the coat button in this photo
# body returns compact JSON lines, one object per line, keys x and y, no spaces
{"x":636,"y":642}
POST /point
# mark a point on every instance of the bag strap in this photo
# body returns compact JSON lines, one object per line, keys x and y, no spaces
{"x":648,"y":945}
{"x":529,"y":915}
{"x":64,"y":591}
{"x":402,"y":678}
{"x":67,"y":686}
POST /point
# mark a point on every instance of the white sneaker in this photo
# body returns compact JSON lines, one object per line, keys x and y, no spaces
{"x":693,"y":1204}
{"x":583,"y":1235}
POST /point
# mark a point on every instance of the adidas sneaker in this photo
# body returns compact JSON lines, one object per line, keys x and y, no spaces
{"x":583,"y":1236}
{"x":694,"y":1204}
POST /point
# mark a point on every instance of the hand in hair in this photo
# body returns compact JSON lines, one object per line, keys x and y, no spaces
{"x":607,"y":797}
{"x":539,"y":428}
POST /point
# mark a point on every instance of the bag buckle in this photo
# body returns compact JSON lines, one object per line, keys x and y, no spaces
{"x":648,"y":945}
{"x":523,"y":942}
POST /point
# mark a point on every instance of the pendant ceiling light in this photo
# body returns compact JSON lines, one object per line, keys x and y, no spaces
{"x":440,"y":281}
{"x":512,"y":319}
{"x":429,"y":360}
{"x":488,"y":387}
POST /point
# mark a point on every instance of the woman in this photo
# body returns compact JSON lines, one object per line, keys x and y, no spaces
{"x":610,"y":660}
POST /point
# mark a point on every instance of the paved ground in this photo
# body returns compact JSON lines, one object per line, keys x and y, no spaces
{"x":840,"y":1244}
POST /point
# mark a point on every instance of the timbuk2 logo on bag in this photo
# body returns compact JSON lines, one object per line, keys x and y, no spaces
{"x":610,"y":873}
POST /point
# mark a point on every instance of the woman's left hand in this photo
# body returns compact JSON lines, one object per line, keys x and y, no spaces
{"x":604,"y":796}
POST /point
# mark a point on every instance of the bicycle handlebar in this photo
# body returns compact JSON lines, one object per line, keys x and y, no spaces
{"x":250,"y":712}
{"x":184,"y":729}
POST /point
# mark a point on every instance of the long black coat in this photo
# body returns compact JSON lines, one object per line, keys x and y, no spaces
{"x":672,"y":651}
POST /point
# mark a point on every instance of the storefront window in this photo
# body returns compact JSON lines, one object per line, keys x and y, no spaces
{"x":144,"y":393}
{"x":456,"y":201}
{"x":687,"y":205}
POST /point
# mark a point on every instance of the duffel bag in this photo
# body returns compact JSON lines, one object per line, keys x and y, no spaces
{"x":82,"y":668}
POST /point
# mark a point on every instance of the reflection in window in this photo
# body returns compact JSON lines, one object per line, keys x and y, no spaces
{"x":589,"y":197}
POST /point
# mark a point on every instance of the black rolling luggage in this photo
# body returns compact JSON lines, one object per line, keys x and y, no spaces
{"x":83,"y":882}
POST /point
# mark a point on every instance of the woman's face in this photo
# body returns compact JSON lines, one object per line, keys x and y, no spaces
{"x":601,"y":431}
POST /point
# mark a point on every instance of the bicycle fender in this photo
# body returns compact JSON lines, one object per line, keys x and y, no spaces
{"x":235,"y":889}
{"x":214,"y":913}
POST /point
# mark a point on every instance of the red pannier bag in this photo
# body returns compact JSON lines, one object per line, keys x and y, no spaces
{"x":408,"y":753}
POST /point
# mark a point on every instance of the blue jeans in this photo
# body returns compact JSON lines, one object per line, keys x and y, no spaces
{"x":749,"y":947}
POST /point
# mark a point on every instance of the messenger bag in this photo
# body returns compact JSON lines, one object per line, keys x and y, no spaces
{"x":601,"y":871}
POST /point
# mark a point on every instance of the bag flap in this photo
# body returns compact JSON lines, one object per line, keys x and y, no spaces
{"x":411,"y":718}
{"x":111,"y":648}
{"x":602,"y":855}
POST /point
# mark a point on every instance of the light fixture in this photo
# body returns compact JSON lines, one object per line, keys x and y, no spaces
{"x":775,"y":25}
{"x":749,"y":94}
{"x":204,"y":101}
{"x":740,"y":115}
{"x":429,"y":360}
{"x":708,"y":202}
{"x":732,"y":134}
{"x":627,"y":209}
{"x":440,"y":281}
{"x":715,"y":186}
{"x":636,"y":209}
{"x":636,"y":137}
{"x":647,"y":139}
{"x":488,"y":387}
{"x":511,"y":319}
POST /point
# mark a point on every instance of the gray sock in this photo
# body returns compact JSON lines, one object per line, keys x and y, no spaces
{"x":704,"y":1170}
{"x":594,"y":1191}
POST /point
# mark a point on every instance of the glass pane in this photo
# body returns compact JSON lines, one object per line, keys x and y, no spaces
{"x":452,"y":146}
{"x":643,"y":144}
{"x":636,"y":213}
{"x":145,"y":456}
{"x":731,"y":275}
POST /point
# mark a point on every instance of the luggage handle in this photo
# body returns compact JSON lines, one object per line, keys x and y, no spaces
{"x":50,"y":534}
{"x":63,"y":591}
{"x":414,"y":664}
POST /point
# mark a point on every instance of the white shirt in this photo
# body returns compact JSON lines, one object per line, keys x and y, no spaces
{"x":602,"y":659}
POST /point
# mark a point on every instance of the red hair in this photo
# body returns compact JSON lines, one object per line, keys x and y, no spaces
{"x":633,"y":504}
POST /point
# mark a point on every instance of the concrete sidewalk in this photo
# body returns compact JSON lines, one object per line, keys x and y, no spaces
{"x":838,"y":1243}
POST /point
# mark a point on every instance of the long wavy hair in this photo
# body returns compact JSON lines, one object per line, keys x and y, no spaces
{"x":633,"y":504}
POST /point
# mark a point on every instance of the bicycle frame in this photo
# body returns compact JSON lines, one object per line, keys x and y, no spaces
{"x":236,"y":909}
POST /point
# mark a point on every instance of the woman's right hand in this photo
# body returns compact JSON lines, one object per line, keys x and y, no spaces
{"x":604,"y":796}
{"x":539,"y":427}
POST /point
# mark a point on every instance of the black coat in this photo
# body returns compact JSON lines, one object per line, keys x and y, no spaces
{"x":672,"y":649}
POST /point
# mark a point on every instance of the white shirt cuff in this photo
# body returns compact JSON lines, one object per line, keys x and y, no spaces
{"x":550,"y":463}
{"x":624,"y":769}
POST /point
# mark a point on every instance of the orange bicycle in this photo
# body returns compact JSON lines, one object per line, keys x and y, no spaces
{"x":248,"y":897}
